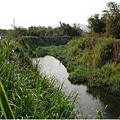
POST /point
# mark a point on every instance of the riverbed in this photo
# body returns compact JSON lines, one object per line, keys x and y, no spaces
{"x":89,"y":100}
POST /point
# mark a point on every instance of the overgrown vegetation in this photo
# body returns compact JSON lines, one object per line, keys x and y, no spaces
{"x":89,"y":60}
{"x":30,"y":95}
{"x":109,"y":21}
{"x":93,"y":59}
{"x":35,"y":42}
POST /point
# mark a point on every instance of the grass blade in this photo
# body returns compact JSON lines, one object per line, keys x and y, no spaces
{"x":6,"y":109}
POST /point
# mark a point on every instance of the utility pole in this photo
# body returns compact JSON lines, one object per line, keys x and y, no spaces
{"x":13,"y":24}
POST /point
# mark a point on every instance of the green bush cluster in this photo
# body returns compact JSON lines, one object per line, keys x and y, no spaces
{"x":35,"y":42}
{"x":92,"y":52}
{"x":102,"y":51}
{"x":80,"y":75}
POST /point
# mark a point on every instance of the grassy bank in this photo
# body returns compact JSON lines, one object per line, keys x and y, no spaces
{"x":35,"y":42}
{"x":30,"y":95}
{"x":96,"y":62}
{"x":91,"y":60}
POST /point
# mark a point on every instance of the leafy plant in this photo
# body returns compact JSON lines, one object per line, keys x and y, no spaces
{"x":6,"y":109}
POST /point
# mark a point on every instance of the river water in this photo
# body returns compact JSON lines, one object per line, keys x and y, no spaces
{"x":89,"y":100}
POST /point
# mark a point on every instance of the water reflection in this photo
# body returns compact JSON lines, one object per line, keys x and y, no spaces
{"x":111,"y":104}
{"x":88,"y":98}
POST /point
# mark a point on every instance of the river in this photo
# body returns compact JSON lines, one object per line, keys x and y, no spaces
{"x":89,"y":100}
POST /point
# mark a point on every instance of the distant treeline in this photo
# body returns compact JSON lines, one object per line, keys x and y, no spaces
{"x":108,"y":23}
{"x":41,"y":31}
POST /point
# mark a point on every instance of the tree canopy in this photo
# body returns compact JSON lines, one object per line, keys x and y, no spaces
{"x":112,"y":16}
{"x":108,"y":23}
{"x":96,"y":24}
{"x":41,"y":31}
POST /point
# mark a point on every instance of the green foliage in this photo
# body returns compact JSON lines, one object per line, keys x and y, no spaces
{"x":3,"y":32}
{"x":35,"y":42}
{"x":107,"y":77}
{"x":19,"y":31}
{"x":80,"y":75}
{"x":99,"y":114}
{"x":6,"y":109}
{"x":76,"y":46}
{"x":30,"y":95}
{"x":96,"y":24}
{"x":4,"y":57}
{"x":37,"y":31}
{"x":108,"y":23}
{"x":94,"y":53}
{"x":67,"y":30}
{"x":40,"y":31}
{"x":102,"y":51}
{"x":40,"y":51}
{"x":112,"y":16}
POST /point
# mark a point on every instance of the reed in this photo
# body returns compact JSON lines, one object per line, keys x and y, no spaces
{"x":29,"y":94}
{"x":7,"y":111}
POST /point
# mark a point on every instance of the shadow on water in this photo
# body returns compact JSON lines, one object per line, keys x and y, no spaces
{"x":110,"y":103}
{"x":88,"y":98}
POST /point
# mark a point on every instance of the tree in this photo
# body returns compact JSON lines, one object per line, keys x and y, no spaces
{"x":76,"y":31}
{"x":49,"y":31}
{"x":96,"y":24}
{"x":33,"y":31}
{"x":112,"y":16}
{"x":20,"y":31}
{"x":67,"y":30}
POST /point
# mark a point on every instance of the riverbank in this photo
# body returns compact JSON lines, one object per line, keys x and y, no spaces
{"x":30,"y":95}
{"x":94,"y":61}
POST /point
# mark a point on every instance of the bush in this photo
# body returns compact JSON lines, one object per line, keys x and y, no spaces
{"x":80,"y":75}
{"x":102,"y":51}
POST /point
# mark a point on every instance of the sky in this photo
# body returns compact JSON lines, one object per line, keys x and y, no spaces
{"x":48,"y":12}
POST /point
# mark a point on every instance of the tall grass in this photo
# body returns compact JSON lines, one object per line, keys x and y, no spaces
{"x":6,"y":109}
{"x":30,"y":95}
{"x":4,"y":104}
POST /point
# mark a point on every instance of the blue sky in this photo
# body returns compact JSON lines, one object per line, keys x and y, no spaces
{"x":48,"y":12}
